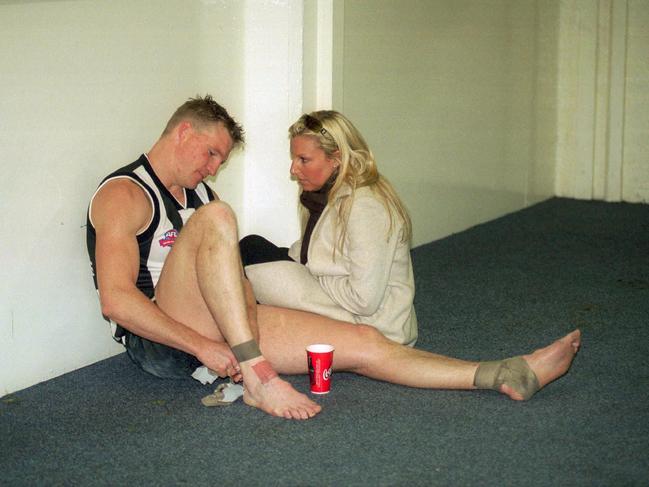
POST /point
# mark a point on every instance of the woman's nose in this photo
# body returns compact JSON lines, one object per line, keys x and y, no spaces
{"x":293,"y":168}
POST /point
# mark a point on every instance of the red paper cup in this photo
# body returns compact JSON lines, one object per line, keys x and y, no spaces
{"x":320,"y":359}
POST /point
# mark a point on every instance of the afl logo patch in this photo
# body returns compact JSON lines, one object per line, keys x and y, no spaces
{"x":169,"y":238}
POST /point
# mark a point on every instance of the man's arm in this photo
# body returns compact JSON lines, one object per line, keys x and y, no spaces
{"x":119,"y":211}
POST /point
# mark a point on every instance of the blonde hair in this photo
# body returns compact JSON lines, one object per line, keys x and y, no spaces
{"x":340,"y":140}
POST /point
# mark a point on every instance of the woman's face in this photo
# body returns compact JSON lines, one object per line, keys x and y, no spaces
{"x":309,"y":163}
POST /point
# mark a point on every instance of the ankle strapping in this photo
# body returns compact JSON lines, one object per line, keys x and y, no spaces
{"x":246,"y":351}
{"x":514,"y":372}
{"x":264,"y":371}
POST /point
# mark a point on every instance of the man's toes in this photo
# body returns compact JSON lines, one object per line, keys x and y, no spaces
{"x":308,"y":411}
{"x":297,"y":413}
{"x":294,"y":413}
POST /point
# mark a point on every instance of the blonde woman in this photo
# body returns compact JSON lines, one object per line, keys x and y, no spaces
{"x":352,"y":262}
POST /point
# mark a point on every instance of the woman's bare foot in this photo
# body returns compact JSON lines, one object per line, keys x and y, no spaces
{"x":263,"y":389}
{"x":549,"y":363}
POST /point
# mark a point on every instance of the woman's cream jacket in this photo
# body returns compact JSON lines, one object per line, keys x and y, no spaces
{"x":371,"y":281}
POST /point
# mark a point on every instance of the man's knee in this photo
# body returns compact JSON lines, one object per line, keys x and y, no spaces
{"x":218,"y":210}
{"x":218,"y":216}
{"x":366,"y":349}
{"x":372,"y":338}
{"x":369,"y":333}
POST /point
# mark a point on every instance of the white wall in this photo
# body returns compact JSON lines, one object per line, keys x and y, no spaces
{"x":603,"y":145}
{"x":87,"y":86}
{"x":635,"y":147}
{"x":273,"y":100}
{"x":447,"y":96}
{"x":83,"y":89}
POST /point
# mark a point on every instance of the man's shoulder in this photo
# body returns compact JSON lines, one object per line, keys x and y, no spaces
{"x":123,"y":191}
{"x":121,"y":188}
{"x":130,"y":180}
{"x":128,"y":169}
{"x":120,"y":200}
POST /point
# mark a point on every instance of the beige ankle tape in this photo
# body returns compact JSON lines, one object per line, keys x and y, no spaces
{"x":246,"y":351}
{"x":512,"y":371}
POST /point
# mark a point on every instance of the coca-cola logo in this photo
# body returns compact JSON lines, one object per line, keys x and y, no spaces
{"x":326,"y":373}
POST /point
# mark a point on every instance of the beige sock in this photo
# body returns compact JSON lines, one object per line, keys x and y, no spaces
{"x":515,"y":372}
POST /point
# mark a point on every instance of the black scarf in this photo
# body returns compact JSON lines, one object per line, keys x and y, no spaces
{"x":315,"y":202}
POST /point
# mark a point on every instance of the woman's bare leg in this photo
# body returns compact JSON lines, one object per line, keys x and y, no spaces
{"x":284,"y":335}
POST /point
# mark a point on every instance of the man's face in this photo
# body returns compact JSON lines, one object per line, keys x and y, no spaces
{"x":201,"y":153}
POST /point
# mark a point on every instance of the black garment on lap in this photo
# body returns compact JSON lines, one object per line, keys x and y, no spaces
{"x":257,"y":250}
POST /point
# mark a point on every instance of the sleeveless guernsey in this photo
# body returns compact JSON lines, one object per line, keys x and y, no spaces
{"x":156,"y":240}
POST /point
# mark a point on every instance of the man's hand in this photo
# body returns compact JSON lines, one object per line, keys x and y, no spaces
{"x":219,"y":358}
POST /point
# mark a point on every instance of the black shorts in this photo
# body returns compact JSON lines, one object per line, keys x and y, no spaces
{"x":159,"y":360}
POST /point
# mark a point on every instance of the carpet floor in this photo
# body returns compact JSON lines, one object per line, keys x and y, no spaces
{"x":498,"y":289}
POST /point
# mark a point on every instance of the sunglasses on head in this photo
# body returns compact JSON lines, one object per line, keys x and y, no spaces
{"x":315,"y":125}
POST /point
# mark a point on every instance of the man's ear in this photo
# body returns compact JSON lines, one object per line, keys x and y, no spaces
{"x":183,"y":129}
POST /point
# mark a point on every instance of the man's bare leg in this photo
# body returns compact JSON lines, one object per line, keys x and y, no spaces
{"x":284,"y":335}
{"x":202,"y":286}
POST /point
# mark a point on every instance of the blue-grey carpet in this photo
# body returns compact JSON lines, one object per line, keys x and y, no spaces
{"x":498,"y":289}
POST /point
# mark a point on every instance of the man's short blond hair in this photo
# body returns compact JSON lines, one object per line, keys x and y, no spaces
{"x":204,"y":111}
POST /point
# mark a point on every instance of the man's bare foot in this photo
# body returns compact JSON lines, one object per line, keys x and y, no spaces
{"x":264,"y":390}
{"x":549,"y":363}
